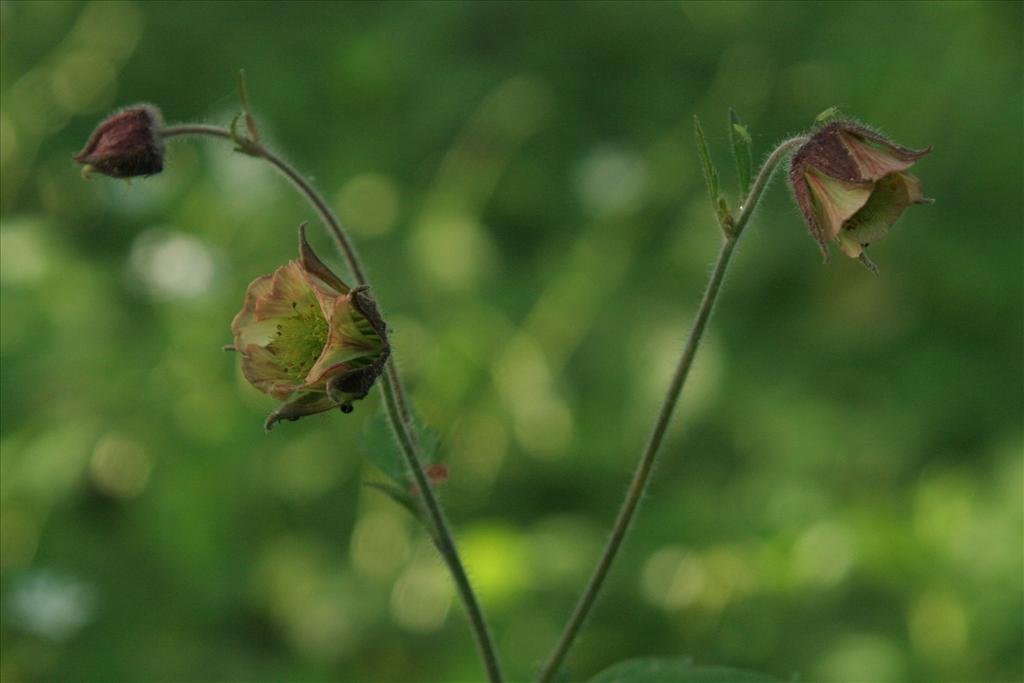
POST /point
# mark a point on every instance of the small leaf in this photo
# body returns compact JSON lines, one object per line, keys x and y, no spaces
{"x":400,"y":496}
{"x":724,"y":215}
{"x":741,"y":144}
{"x":829,"y":113}
{"x":243,"y":95}
{"x":386,"y":455}
{"x":675,"y":670}
{"x":242,"y":144}
{"x":381,"y":449}
{"x":710,"y":174}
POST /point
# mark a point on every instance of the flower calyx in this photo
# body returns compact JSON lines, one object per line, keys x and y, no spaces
{"x":308,"y":339}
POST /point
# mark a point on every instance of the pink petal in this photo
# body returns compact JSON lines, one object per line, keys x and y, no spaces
{"x":875,"y":160}
{"x":289,"y":290}
{"x":263,"y":370}
{"x":341,"y":347}
{"x":836,"y":200}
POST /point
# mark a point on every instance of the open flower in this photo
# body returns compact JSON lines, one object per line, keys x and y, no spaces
{"x":851,"y":185}
{"x":307,"y":339}
{"x":126,"y":144}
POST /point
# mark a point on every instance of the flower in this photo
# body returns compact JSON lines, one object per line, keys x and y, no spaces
{"x":851,"y":185}
{"x":126,"y":144}
{"x":307,"y":339}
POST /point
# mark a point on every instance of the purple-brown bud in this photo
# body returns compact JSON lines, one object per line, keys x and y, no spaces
{"x":851,"y":185}
{"x":127,"y":144}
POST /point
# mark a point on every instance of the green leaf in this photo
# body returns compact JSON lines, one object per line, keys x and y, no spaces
{"x":383,"y":450}
{"x":741,"y":144}
{"x":242,"y":144}
{"x":400,"y":496}
{"x":675,"y":670}
{"x":710,"y":174}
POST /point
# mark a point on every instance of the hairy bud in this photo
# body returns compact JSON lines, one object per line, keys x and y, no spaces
{"x":127,"y":144}
{"x":851,"y":185}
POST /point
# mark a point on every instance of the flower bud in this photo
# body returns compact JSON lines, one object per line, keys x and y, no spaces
{"x":126,"y":145}
{"x":851,"y":185}
{"x":309,"y":340}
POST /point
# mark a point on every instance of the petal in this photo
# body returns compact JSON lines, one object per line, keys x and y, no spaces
{"x":836,"y":200}
{"x":243,"y":324}
{"x":894,"y":149}
{"x":892,"y":195}
{"x":343,"y":345}
{"x":289,"y":289}
{"x":877,"y":159}
{"x":849,"y":245}
{"x":309,"y":403}
{"x":263,"y":370}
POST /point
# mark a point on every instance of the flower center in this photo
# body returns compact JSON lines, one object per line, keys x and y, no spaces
{"x":300,"y":338}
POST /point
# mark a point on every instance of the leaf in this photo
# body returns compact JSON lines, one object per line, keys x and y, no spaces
{"x":383,"y":451}
{"x":242,"y":144}
{"x":675,"y":670}
{"x":741,"y":144}
{"x":243,"y":95}
{"x":400,"y":496}
{"x":710,"y":174}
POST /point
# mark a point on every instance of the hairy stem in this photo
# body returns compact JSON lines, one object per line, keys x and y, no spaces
{"x":394,"y":396}
{"x":641,"y":476}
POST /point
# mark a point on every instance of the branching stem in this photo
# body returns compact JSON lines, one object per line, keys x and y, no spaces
{"x":641,"y":476}
{"x":391,"y":386}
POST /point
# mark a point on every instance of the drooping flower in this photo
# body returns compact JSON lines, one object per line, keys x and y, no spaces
{"x":851,"y":185}
{"x":127,"y":144}
{"x":308,"y":339}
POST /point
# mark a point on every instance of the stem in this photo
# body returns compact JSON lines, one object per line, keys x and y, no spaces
{"x":443,"y":538}
{"x":394,"y":397}
{"x":641,"y":476}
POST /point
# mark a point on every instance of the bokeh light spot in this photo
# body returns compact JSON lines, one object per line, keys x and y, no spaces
{"x":380,"y":544}
{"x":823,"y":554}
{"x":172,"y":265}
{"x":368,"y":204}
{"x":452,"y":250}
{"x":673,"y":578}
{"x":119,"y":466}
{"x":861,"y":657}
{"x":53,"y":606}
{"x":610,"y":180}
{"x":497,"y":556}
{"x":422,"y":595}
{"x":84,"y":82}
{"x":23,"y":258}
{"x":938,"y":627}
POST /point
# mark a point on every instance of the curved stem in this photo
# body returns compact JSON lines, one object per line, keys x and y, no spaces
{"x":641,"y":476}
{"x":394,"y":396}
{"x":443,"y":538}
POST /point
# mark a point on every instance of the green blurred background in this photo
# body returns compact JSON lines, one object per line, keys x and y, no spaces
{"x":839,"y":496}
